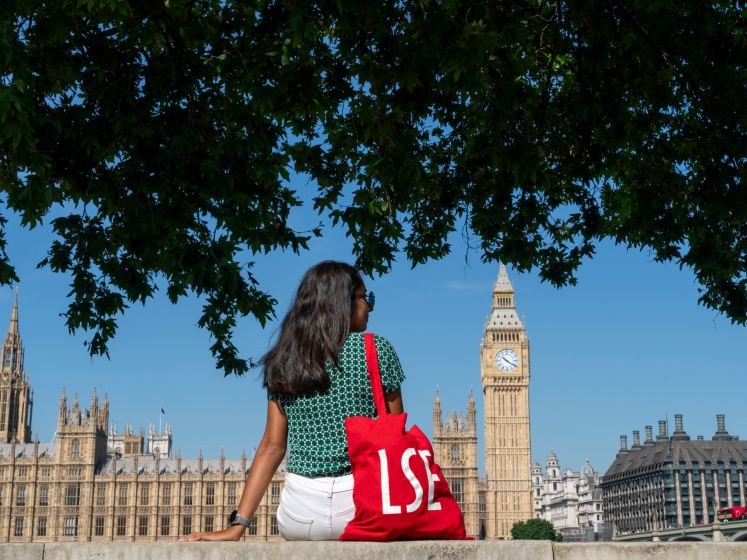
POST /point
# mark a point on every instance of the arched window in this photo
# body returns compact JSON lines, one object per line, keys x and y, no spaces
{"x":75,"y":449}
{"x":456,"y":454}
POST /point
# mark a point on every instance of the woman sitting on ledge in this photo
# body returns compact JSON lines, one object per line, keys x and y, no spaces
{"x":316,"y":377}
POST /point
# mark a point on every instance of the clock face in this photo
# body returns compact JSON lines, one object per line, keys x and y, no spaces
{"x":506,"y":360}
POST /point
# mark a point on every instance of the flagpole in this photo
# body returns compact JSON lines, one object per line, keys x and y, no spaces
{"x":160,"y":415}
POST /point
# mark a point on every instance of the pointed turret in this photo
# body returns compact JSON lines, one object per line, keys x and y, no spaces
{"x":63,"y":400}
{"x":471,"y":411}
{"x":437,"y":414}
{"x":13,"y":347}
{"x":17,"y":404}
{"x":105,"y":412}
{"x":75,"y":410}
{"x":503,"y":284}
{"x":13,"y":331}
{"x":503,"y":315}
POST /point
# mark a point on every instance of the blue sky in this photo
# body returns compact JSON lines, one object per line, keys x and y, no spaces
{"x":624,"y":348}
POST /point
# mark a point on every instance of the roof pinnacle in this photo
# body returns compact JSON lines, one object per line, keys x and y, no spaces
{"x":14,"y":313}
{"x":503,"y":284}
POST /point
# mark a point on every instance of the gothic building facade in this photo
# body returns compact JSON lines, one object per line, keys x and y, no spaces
{"x":455,"y":448}
{"x":94,"y":484}
{"x":503,"y":496}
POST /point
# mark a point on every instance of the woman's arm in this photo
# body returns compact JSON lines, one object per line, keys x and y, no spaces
{"x":266,"y":460}
{"x":394,"y":402}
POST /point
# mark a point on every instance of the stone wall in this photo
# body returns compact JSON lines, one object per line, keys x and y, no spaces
{"x":422,"y":550}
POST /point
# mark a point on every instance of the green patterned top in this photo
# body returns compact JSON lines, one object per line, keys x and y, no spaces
{"x":317,"y":442}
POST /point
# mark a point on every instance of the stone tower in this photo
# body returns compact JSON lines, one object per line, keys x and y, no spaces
{"x":159,"y":443}
{"x":16,"y":397}
{"x":537,"y":484}
{"x":81,"y":433}
{"x":504,"y":364}
{"x":455,"y":450}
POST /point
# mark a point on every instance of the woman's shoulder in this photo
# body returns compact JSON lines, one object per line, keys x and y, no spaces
{"x":382,"y":343}
{"x":355,"y":341}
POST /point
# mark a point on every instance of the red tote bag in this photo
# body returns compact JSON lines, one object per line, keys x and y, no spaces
{"x":398,"y":490}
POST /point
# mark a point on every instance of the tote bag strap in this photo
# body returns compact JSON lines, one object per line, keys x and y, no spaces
{"x":372,"y":361}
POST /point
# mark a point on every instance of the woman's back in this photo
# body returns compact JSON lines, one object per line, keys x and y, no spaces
{"x":316,"y":423}
{"x":316,"y":377}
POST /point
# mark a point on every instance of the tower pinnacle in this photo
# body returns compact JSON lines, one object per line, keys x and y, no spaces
{"x":13,"y":327}
{"x":502,"y":284}
{"x":503,"y":314}
{"x":437,"y":413}
{"x":17,"y":403}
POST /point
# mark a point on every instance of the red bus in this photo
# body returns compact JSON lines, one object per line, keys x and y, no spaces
{"x":731,"y":513}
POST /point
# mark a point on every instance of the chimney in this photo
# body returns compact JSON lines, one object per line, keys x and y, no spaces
{"x":662,"y":430}
{"x":636,"y":439}
{"x":721,"y":433}
{"x":623,"y":443}
{"x":679,"y":430}
{"x":649,"y":435}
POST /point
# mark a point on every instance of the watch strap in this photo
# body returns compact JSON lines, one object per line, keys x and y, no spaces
{"x":238,"y":519}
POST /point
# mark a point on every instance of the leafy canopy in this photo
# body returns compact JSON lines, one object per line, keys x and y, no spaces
{"x":535,"y":529}
{"x":161,"y":137}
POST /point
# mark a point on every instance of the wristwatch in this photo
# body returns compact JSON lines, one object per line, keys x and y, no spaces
{"x":237,"y":519}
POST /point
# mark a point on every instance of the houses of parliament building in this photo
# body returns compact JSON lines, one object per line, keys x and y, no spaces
{"x":95,"y":484}
{"x":492,"y":503}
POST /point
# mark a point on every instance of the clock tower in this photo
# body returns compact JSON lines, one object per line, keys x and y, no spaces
{"x":504,"y":364}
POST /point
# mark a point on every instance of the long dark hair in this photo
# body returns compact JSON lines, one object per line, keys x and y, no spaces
{"x":313,"y":331}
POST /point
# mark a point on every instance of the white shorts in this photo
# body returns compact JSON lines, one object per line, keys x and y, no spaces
{"x":315,"y":509}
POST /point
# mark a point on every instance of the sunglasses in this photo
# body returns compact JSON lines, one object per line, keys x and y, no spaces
{"x":369,"y":298}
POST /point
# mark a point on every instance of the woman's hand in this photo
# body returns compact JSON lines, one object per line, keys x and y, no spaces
{"x":232,"y":533}
{"x":267,"y":458}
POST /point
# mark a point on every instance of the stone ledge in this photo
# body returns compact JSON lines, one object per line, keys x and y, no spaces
{"x":659,"y":551}
{"x":416,"y":550}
